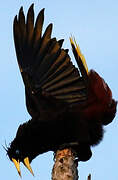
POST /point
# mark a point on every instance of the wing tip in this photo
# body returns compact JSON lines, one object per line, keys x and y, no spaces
{"x":31,"y":7}
{"x":61,"y":42}
{"x":15,"y":22}
{"x":15,"y":18}
{"x":21,"y":9}
{"x":30,"y":10}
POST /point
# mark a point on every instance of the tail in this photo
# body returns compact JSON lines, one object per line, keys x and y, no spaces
{"x":80,"y":59}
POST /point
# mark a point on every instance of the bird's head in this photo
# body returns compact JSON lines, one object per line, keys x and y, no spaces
{"x":17,"y":152}
{"x":98,"y":89}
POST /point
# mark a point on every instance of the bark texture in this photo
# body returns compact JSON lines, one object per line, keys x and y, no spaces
{"x":65,"y":167}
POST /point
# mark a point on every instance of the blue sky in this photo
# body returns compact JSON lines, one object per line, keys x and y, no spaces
{"x":95,"y":25}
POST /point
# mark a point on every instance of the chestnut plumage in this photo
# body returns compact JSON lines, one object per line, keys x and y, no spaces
{"x":68,"y":105}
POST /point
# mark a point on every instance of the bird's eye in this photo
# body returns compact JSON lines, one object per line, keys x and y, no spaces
{"x":17,"y":151}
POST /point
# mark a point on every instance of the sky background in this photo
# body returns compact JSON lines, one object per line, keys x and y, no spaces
{"x":95,"y":25}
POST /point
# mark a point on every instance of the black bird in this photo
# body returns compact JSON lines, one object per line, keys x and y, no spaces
{"x":68,"y":105}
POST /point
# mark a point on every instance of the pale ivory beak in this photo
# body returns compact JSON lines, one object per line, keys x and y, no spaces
{"x":27,"y":164}
{"x":17,"y":165}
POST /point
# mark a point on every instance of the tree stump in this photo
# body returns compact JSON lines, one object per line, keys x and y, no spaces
{"x":65,"y":167}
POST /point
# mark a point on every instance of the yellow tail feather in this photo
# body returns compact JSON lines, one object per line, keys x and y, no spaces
{"x":73,"y":42}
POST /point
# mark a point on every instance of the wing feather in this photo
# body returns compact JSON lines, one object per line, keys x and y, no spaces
{"x":38,"y":28}
{"x":30,"y":24}
{"x":46,"y":68}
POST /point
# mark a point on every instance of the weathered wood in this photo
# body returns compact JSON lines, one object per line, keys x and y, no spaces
{"x":65,"y":167}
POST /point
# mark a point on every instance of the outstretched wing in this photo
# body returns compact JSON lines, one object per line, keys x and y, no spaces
{"x":49,"y":76}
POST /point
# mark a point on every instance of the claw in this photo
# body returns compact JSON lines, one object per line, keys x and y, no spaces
{"x":17,"y":165}
{"x":27,"y":164}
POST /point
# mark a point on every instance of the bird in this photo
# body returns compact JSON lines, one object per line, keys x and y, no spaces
{"x":68,"y":105}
